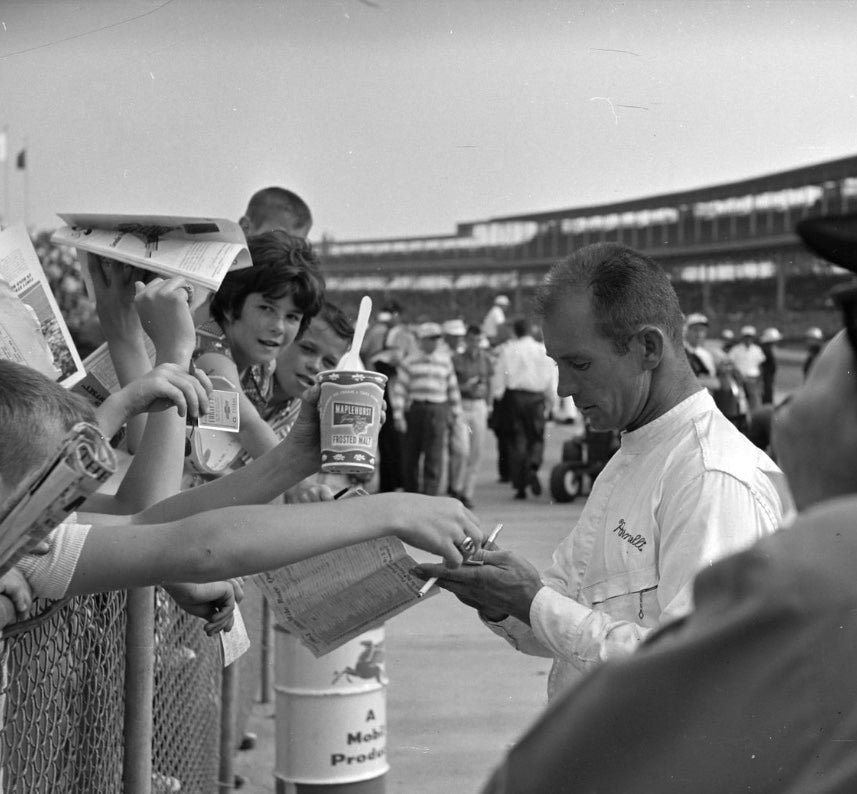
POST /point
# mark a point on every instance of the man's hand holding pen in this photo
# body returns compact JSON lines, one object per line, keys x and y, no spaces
{"x":499,"y":584}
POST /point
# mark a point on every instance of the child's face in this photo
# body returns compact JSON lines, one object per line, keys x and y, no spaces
{"x":265,"y":327}
{"x":320,"y":348}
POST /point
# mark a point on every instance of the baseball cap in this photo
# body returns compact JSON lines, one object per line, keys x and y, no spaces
{"x":455,"y":328}
{"x":429,"y":331}
{"x":748,"y":330}
{"x":695,"y":318}
{"x":384,"y":317}
{"x":501,"y":300}
{"x":814,"y":333}
{"x":770,"y":335}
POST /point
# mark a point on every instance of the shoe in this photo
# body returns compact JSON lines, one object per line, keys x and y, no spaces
{"x":535,"y":485}
{"x":521,"y":495}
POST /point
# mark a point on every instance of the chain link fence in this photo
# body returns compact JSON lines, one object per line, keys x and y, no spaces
{"x":62,"y":700}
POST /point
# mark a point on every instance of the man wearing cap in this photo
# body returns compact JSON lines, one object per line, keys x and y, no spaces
{"x":754,"y":690}
{"x":768,"y":367}
{"x":699,"y":357}
{"x":495,"y":318}
{"x":747,"y":357}
{"x":473,"y":368}
{"x":425,"y":399}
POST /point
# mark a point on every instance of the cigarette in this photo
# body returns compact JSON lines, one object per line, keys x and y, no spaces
{"x":433,"y":580}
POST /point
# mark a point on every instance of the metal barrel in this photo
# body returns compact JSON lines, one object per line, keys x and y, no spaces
{"x":331,"y":717}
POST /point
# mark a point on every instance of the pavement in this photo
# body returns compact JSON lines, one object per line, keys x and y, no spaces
{"x":458,"y":696}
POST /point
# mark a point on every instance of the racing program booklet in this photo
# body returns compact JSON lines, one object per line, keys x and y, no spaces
{"x":32,"y":329}
{"x":331,"y":598}
{"x":45,"y":499}
{"x":203,"y":250}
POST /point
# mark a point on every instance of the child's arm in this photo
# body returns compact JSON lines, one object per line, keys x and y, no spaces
{"x":114,"y":302}
{"x":165,"y":386}
{"x":214,"y":602}
{"x":243,"y":540}
{"x":155,"y":471}
{"x":255,"y":434}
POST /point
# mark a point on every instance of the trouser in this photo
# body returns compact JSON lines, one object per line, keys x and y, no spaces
{"x":474,"y":415}
{"x":424,"y":444}
{"x":390,"y":455}
{"x":456,"y":447}
{"x":525,"y":413}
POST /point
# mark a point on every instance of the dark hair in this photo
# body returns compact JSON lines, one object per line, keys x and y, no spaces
{"x":474,"y":329}
{"x":392,"y":306}
{"x":282,"y":265}
{"x":32,"y":409}
{"x":272,"y":200}
{"x":627,"y":290}
{"x":520,"y":327}
{"x":338,"y":320}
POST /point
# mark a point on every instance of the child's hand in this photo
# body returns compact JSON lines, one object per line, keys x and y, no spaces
{"x":165,"y":386}
{"x":214,"y":602}
{"x":305,"y":492}
{"x":305,"y":433}
{"x":17,"y":589}
{"x":165,"y":314}
{"x":114,"y":297}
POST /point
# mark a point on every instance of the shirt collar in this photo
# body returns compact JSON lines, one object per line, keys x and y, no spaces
{"x":669,"y":423}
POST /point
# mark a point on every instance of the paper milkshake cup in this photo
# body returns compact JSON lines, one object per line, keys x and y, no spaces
{"x":350,"y":415}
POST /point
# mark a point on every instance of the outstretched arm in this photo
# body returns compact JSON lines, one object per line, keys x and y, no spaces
{"x":243,"y":540}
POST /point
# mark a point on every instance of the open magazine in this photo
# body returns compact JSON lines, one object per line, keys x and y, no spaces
{"x":32,"y":329}
{"x":83,"y":462}
{"x":331,"y":598}
{"x":203,"y":250}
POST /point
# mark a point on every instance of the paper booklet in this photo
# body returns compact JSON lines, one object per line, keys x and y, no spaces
{"x":331,"y":598}
{"x":101,"y":380}
{"x":202,"y":250}
{"x":44,"y":500}
{"x":32,"y":329}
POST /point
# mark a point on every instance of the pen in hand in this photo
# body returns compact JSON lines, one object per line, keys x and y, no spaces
{"x":429,"y":583}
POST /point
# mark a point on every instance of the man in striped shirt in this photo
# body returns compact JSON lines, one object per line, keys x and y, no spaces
{"x":425,"y":401}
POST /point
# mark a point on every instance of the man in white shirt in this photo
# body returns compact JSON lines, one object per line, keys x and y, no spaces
{"x":747,"y":357}
{"x":495,"y":319}
{"x":700,"y":357}
{"x":525,"y":383}
{"x":685,"y":489}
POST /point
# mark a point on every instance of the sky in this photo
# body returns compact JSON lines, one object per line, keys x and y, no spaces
{"x":405,"y":117}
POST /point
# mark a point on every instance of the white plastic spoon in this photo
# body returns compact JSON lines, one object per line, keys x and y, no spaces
{"x":351,"y":359}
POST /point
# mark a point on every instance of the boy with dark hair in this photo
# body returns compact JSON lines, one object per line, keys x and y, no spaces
{"x":276,"y":208}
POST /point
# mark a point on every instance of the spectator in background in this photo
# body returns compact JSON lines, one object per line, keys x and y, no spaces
{"x":727,"y":339}
{"x":456,"y":447}
{"x":768,"y":367}
{"x":425,"y":394}
{"x":525,"y":383}
{"x":495,"y":319}
{"x":747,"y":357}
{"x":473,"y":369}
{"x":700,"y":358}
{"x":384,"y":348}
{"x":276,"y":208}
{"x":814,"y":341}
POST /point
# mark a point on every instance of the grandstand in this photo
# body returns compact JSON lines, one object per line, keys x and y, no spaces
{"x":730,"y":249}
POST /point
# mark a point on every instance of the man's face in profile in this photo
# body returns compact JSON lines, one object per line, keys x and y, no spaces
{"x":814,"y":436}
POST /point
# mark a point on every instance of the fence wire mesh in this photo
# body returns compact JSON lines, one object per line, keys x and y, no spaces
{"x":62,"y":698}
{"x":186,"y":709}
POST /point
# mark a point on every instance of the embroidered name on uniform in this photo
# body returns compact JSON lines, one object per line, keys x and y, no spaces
{"x":637,"y":541}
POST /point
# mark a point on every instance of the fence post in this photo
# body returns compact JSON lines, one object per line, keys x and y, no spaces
{"x":139,"y":690}
{"x":228,"y":706}
{"x":267,"y":653}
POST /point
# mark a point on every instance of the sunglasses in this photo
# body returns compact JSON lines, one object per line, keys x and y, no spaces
{"x":845,"y":297}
